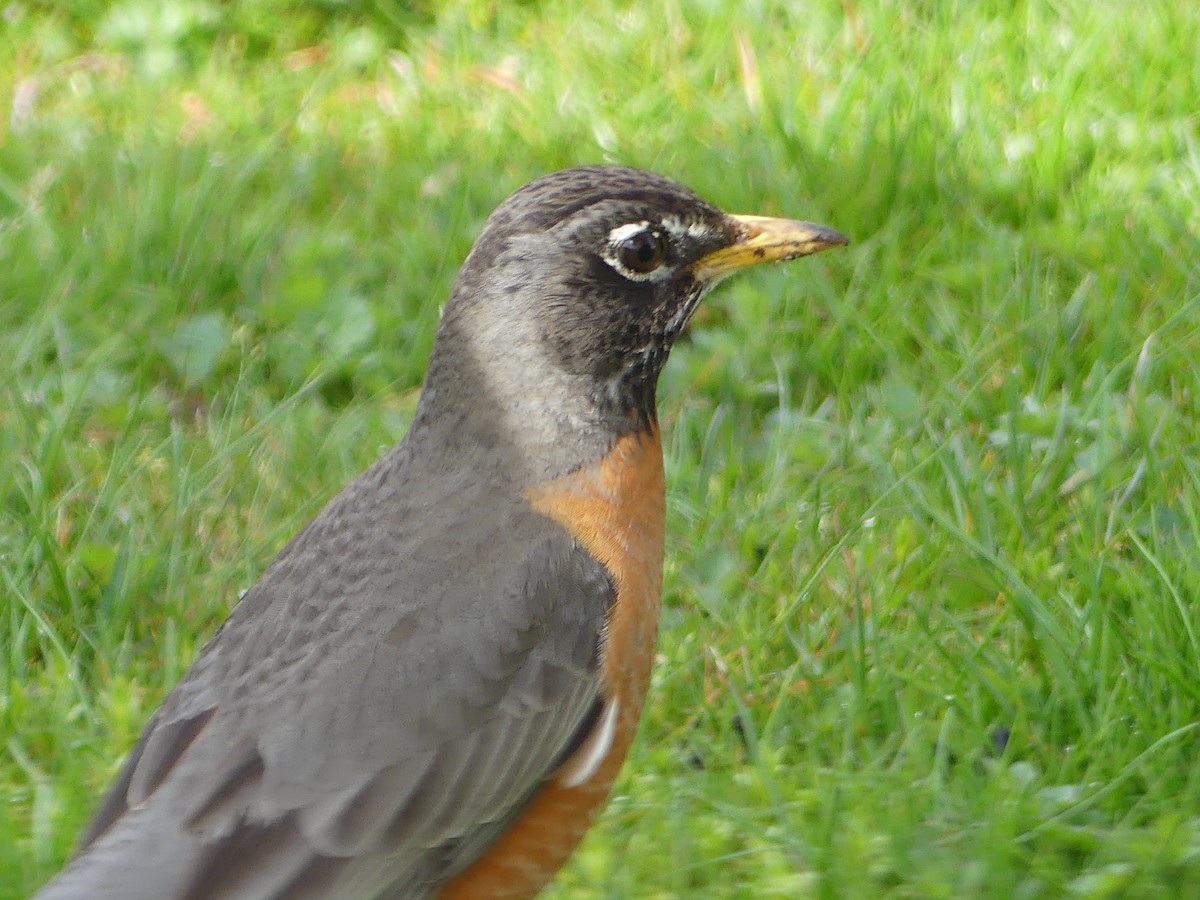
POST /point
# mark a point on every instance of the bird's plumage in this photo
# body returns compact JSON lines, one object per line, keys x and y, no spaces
{"x":457,"y":628}
{"x":294,"y":718}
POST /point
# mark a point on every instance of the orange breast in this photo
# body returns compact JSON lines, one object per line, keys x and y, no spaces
{"x":615,"y":509}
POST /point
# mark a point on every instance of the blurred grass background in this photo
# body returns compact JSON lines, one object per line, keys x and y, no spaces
{"x":931,"y":623}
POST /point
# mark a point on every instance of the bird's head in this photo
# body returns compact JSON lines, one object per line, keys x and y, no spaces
{"x":581,"y":281}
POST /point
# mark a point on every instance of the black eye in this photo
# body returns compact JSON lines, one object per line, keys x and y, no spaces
{"x":642,"y":252}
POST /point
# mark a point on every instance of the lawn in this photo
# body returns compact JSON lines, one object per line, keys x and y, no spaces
{"x":931,"y":622}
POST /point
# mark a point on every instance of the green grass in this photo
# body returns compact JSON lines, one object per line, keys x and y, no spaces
{"x":936,"y":488}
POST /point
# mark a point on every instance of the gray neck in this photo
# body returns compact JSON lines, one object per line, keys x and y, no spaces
{"x":493,"y":386}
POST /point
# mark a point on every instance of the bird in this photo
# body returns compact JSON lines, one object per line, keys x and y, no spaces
{"x":430,"y":691}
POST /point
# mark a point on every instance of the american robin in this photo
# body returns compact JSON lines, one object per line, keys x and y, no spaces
{"x":431,"y":690}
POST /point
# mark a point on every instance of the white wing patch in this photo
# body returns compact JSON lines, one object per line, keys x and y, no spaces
{"x":586,"y":760}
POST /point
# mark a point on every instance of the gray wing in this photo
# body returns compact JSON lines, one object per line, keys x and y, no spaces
{"x":372,"y":714}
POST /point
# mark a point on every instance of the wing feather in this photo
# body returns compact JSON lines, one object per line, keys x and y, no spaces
{"x":298,"y":750}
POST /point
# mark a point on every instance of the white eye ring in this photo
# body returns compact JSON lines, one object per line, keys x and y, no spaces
{"x":617,"y":239}
{"x":621,"y":232}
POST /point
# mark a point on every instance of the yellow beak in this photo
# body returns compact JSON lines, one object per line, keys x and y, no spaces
{"x":763,"y":239}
